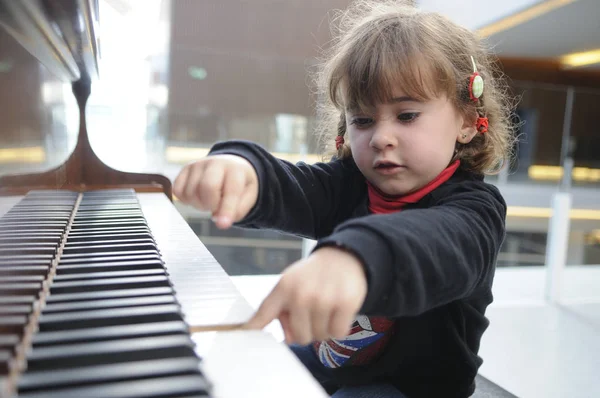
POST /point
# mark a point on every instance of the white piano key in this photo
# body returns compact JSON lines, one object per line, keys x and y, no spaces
{"x":193,"y":271}
{"x":260,"y":366}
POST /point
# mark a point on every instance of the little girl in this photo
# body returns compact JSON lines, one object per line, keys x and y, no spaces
{"x":391,"y":302}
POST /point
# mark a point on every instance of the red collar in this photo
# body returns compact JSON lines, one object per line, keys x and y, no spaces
{"x":379,"y":203}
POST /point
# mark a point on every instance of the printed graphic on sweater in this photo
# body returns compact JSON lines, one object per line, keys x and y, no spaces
{"x":366,"y":339}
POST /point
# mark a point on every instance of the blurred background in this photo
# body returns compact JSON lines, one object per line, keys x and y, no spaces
{"x":178,"y":75}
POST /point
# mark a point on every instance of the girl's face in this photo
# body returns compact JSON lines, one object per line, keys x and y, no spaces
{"x":402,"y":145}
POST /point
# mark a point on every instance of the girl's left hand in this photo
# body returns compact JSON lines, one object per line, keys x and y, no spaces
{"x":317,"y":298}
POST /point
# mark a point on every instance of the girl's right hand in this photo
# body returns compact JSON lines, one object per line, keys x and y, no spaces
{"x":225,"y":185}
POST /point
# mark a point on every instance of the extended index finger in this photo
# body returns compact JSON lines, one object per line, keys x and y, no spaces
{"x":180,"y":183}
{"x":268,"y":311}
{"x":233,"y":187}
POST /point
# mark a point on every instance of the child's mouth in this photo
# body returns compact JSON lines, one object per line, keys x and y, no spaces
{"x":387,"y":167}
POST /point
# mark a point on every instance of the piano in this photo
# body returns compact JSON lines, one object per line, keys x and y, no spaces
{"x":105,"y":291}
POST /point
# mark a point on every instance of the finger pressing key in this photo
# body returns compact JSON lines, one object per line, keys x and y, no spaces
{"x":209,"y":188}
{"x":194,"y":177}
{"x":181,"y":183}
{"x":269,"y":310}
{"x":233,"y":187}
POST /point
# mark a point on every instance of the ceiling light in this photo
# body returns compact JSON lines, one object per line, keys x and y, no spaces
{"x":581,"y":59}
{"x":522,"y":17}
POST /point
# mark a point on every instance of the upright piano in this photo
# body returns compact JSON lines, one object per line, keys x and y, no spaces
{"x":105,"y":291}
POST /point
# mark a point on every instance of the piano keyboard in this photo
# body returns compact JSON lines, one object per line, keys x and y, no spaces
{"x":88,"y":305}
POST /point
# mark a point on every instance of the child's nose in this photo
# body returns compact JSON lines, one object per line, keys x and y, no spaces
{"x":384,"y":136}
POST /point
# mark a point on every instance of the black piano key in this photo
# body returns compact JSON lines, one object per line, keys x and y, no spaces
{"x":99,"y":295}
{"x":162,"y":387}
{"x":48,"y":209}
{"x":99,"y":221}
{"x":111,"y":192}
{"x":31,"y":238}
{"x":9,"y":341}
{"x":25,"y":249}
{"x":16,"y":262}
{"x":14,"y":324}
{"x":63,"y":269}
{"x":56,"y":210}
{"x":108,"y":237}
{"x":51,"y":193}
{"x":107,"y":284}
{"x":46,"y":226}
{"x":19,"y":289}
{"x":120,"y":332}
{"x":6,"y":358}
{"x":110,"y":303}
{"x":29,"y":217}
{"x":9,"y":310}
{"x":52,"y":235}
{"x":109,"y":230}
{"x":110,"y":317}
{"x":108,"y":373}
{"x":112,"y":257}
{"x":110,"y":352}
{"x":25,"y":245}
{"x":84,"y":209}
{"x":109,"y":215}
{"x":26,"y":259}
{"x":106,"y":197}
{"x":104,"y":208}
{"x":67,"y":256}
{"x":125,"y":247}
{"x":100,"y":203}
{"x":9,"y":270}
{"x":100,"y":224}
{"x":25,"y":226}
{"x":21,"y":278}
{"x":33,"y":211}
{"x":18,"y":300}
{"x":69,"y":204}
{"x":115,"y":241}
{"x":110,"y":274}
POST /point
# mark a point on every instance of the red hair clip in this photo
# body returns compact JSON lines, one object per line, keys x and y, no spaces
{"x":339,"y":141}
{"x":482,"y":124}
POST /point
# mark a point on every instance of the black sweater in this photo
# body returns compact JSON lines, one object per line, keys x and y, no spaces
{"x":430,"y":266}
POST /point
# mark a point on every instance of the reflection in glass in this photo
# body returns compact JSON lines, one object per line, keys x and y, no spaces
{"x":39,"y":117}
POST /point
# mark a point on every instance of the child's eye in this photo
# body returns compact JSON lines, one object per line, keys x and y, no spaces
{"x":408,"y":117}
{"x":361,"y":121}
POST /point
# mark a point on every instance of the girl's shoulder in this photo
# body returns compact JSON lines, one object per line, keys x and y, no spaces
{"x":467,"y":186}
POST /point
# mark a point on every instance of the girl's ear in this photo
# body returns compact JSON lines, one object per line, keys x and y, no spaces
{"x":468,"y":128}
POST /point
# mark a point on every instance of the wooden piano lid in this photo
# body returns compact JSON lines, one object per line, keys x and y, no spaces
{"x":71,"y":56}
{"x":83,"y":170}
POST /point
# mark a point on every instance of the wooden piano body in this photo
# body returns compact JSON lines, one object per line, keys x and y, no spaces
{"x":105,"y":291}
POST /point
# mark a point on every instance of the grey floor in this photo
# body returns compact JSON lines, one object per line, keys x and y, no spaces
{"x":537,"y":349}
{"x":532,"y":349}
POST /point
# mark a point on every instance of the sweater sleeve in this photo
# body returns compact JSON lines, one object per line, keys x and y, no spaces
{"x":420,"y":259}
{"x":300,"y":199}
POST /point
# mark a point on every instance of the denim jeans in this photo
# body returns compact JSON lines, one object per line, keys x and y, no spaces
{"x":323,"y":375}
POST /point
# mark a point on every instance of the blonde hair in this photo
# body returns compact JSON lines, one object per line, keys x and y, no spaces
{"x":378,"y":44}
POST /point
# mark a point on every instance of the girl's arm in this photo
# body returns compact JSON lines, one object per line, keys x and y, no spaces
{"x":416,"y":260}
{"x":300,"y":199}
